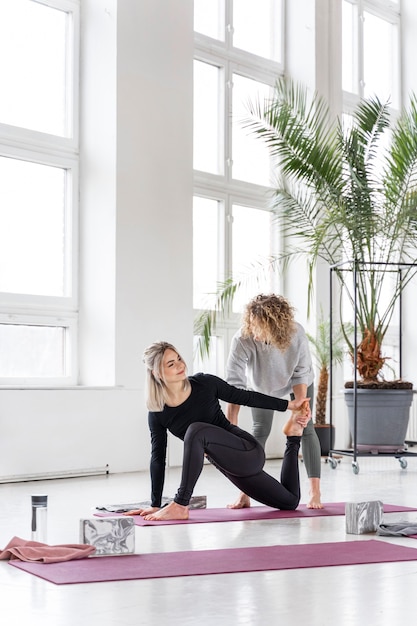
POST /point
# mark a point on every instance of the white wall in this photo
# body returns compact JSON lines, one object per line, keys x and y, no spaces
{"x":135,"y":242}
{"x":54,"y":432}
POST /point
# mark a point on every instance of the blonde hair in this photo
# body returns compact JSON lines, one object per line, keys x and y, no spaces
{"x":156,"y":391}
{"x":274,"y":315}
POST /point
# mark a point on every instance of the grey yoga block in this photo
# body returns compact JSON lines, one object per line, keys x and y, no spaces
{"x":363,"y":517}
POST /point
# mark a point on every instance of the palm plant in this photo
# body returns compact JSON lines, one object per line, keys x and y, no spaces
{"x":344,"y":193}
{"x":320,"y":345}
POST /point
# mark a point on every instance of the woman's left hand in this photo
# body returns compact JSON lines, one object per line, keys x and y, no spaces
{"x":298,"y":405}
{"x":303,"y":412}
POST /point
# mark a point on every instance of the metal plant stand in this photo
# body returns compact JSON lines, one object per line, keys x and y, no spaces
{"x":334,"y":454}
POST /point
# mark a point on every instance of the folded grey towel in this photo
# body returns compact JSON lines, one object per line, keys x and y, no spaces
{"x":400,"y":529}
{"x":196,"y":502}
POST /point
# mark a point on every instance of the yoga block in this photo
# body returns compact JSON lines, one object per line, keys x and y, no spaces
{"x":109,"y":535}
{"x":363,"y":517}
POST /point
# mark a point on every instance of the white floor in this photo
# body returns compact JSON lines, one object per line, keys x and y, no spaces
{"x":349,"y":595}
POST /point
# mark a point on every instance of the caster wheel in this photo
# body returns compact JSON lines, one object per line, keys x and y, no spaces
{"x":333,"y":463}
{"x":403,"y":463}
{"x":355,"y":467}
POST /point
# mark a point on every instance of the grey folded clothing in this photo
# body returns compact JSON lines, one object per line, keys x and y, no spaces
{"x":399,"y":529}
{"x":196,"y":502}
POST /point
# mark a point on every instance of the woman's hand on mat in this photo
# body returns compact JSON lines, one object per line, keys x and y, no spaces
{"x":148,"y":511}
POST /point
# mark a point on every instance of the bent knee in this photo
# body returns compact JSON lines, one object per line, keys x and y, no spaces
{"x":291,"y":507}
{"x":194,"y":429}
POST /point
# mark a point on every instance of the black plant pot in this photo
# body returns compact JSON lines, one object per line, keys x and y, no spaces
{"x":326,"y":435}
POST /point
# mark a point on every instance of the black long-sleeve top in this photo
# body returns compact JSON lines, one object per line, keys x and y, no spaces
{"x":202,"y":405}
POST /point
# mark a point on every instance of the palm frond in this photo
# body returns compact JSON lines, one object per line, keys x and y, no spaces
{"x":207,"y":320}
{"x":344,"y":192}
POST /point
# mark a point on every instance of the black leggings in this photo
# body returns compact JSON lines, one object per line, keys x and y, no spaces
{"x":238,"y":455}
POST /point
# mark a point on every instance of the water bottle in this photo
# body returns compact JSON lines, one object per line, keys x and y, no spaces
{"x":39,"y":517}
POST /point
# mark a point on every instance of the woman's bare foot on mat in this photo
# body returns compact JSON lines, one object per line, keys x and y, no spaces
{"x":315,"y":496}
{"x":243,"y":502}
{"x":170,"y":511}
{"x":314,"y":502}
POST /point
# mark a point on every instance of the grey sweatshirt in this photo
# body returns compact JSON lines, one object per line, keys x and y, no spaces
{"x":262,"y":367}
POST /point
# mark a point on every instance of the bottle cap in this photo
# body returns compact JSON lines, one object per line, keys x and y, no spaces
{"x":39,"y":500}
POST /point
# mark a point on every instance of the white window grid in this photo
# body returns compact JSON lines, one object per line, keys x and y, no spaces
{"x":223,"y":187}
{"x":69,"y":322}
{"x":388,"y":11}
{"x":62,"y":152}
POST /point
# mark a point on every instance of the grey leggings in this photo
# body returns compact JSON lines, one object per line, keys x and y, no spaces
{"x":310,"y":444}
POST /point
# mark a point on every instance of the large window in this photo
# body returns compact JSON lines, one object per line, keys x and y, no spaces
{"x":371,"y":58}
{"x":253,"y":26}
{"x":238,"y":57}
{"x":38,"y":191}
{"x":371,"y":67}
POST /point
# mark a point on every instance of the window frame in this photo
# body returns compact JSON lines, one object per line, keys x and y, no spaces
{"x":62,"y":152}
{"x":70,"y":355}
{"x":223,"y":187}
{"x":390,"y":12}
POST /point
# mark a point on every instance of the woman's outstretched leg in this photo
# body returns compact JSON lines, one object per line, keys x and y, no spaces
{"x":293,"y":429}
{"x":233,"y":451}
{"x":192,"y":465}
{"x":266,"y":489}
{"x":262,"y":420}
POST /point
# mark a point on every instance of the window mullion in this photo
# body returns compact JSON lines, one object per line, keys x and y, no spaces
{"x":228,"y":116}
{"x":228,"y":226}
{"x":360,"y":50}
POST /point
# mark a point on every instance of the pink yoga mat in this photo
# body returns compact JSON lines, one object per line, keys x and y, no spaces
{"x":198,"y":516}
{"x":231,"y":560}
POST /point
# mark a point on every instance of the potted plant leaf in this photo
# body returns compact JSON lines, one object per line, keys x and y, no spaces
{"x":320,"y":348}
{"x":347,"y":193}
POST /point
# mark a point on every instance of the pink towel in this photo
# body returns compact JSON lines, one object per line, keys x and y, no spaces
{"x":42,"y":553}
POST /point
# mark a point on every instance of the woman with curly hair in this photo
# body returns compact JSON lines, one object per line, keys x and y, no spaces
{"x":189,"y":408}
{"x":270,"y":354}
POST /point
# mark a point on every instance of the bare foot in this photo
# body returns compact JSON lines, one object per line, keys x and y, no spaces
{"x":293,"y":428}
{"x":298,"y":421}
{"x":170,"y":511}
{"x":315,"y":496}
{"x":314,"y":502}
{"x":243,"y":502}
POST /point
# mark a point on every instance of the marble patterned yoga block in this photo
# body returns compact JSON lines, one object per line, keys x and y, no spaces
{"x":363,"y":517}
{"x":109,"y":535}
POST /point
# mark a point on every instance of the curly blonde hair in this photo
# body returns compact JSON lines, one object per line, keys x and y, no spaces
{"x":274,"y":316}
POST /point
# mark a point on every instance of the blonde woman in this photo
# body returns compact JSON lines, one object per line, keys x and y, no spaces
{"x":270,"y":354}
{"x":189,"y":408}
